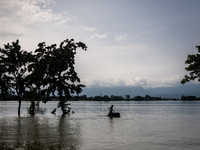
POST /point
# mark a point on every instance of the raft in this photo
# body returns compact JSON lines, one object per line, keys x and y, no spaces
{"x":115,"y":114}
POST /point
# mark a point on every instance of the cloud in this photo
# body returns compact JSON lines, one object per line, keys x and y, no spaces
{"x":43,"y":3}
{"x":144,"y":82}
{"x":98,"y":36}
{"x":37,"y":12}
{"x":17,"y":17}
{"x":45,"y":16}
{"x":89,"y":29}
{"x":140,"y":81}
{"x":8,"y":34}
{"x":106,"y":82}
{"x":121,"y":37}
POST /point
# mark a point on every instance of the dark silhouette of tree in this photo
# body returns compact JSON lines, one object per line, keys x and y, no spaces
{"x":147,"y":97}
{"x":5,"y":80}
{"x":127,"y":97}
{"x":105,"y":98}
{"x":35,"y":77}
{"x":139,"y":98}
{"x":15,"y":63}
{"x":37,"y":81}
{"x":194,"y":67}
{"x":189,"y":98}
{"x":54,"y":70}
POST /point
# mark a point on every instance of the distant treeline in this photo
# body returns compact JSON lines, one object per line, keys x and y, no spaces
{"x":186,"y":98}
{"x":119,"y":98}
{"x":128,"y":98}
{"x":101,"y":98}
{"x":113,"y":98}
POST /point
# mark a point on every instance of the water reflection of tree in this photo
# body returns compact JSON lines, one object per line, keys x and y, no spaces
{"x":37,"y":110}
{"x":67,"y":134}
{"x":40,"y":133}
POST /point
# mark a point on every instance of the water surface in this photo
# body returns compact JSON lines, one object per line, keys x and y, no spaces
{"x":143,"y":125}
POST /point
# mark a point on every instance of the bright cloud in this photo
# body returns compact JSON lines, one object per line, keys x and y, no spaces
{"x":89,"y":29}
{"x":99,"y":36}
{"x":43,"y":3}
{"x":32,"y":12}
{"x":20,"y":14}
{"x":121,"y":37}
{"x":145,"y":82}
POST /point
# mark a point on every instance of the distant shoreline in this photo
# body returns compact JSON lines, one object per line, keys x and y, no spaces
{"x":105,"y":100}
{"x":113,"y":98}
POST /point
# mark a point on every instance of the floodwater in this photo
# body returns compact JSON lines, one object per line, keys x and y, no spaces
{"x":156,"y":125}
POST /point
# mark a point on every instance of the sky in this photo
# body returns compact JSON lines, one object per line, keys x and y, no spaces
{"x":130,"y":42}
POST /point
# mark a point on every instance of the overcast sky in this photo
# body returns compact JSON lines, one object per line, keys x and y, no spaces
{"x":130,"y":42}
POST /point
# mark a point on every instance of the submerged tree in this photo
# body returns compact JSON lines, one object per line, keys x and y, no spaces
{"x":194,"y":67}
{"x":15,"y":63}
{"x":55,"y":72}
{"x":34,"y":77}
{"x":5,"y":80}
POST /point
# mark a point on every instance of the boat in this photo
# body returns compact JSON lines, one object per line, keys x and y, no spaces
{"x":114,"y":114}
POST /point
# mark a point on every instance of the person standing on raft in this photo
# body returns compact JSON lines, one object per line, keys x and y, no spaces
{"x":110,"y":109}
{"x":112,"y":113}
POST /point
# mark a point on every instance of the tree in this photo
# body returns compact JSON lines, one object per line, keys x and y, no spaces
{"x":50,"y":70}
{"x":37,"y":82}
{"x":127,"y":97}
{"x":139,"y":98}
{"x":14,"y":65}
{"x":147,"y":97}
{"x":193,"y":68}
{"x":5,"y":80}
{"x":56,"y":71}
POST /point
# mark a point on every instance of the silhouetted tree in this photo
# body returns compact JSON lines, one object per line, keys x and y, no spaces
{"x":193,"y":68}
{"x":139,"y":98}
{"x":97,"y":98}
{"x":127,"y":97}
{"x":147,"y":97}
{"x":15,"y":63}
{"x":49,"y":70}
{"x":57,"y":72}
{"x":105,"y":98}
{"x":37,"y":79}
{"x":5,"y":80}
{"x":189,"y":98}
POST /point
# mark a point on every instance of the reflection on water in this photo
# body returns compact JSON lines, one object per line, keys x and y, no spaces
{"x":39,"y":132}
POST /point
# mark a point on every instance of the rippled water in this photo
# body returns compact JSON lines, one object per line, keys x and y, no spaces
{"x":143,"y":125}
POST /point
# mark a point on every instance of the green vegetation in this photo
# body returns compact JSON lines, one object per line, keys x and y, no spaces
{"x":194,"y":67}
{"x":28,"y":76}
{"x":113,"y":98}
{"x":188,"y":98}
{"x":119,"y":98}
{"x":14,"y":62}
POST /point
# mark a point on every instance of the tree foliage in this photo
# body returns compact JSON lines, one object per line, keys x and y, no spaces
{"x":55,"y":69}
{"x":14,"y":63}
{"x":193,"y":68}
{"x":36,"y":76}
{"x":118,"y":98}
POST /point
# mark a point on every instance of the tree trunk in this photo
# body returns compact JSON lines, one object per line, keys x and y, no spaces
{"x":32,"y":108}
{"x":19,"y":107}
{"x":62,"y":105}
{"x":62,"y":102}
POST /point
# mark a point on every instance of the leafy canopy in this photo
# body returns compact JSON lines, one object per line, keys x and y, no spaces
{"x":54,"y":67}
{"x":194,"y":67}
{"x":50,"y":69}
{"x":14,"y":63}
